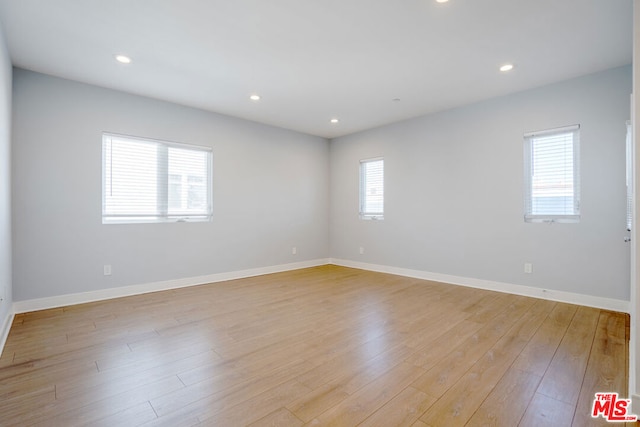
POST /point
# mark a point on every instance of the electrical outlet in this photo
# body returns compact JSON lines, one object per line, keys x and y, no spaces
{"x":528,"y":268}
{"x":361,"y":250}
{"x":107,"y":270}
{"x":294,"y":250}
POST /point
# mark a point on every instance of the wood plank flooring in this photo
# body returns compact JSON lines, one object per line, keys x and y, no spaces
{"x":319,"y":346}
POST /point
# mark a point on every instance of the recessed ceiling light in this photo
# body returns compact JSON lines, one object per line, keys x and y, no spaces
{"x":442,"y":1}
{"x":334,"y":120}
{"x":254,"y":97}
{"x":506,"y":67}
{"x":123,"y":59}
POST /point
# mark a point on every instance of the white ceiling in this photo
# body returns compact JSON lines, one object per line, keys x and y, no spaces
{"x":312,"y":60}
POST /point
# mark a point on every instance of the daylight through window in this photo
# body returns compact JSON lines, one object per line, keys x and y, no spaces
{"x":147,"y":180}
{"x":372,"y":189}
{"x":552,"y":175}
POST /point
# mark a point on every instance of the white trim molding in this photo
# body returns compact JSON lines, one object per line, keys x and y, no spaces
{"x":5,"y":327}
{"x":529,"y":291}
{"x":124,"y":291}
{"x":635,"y":403}
{"x":105,"y":294}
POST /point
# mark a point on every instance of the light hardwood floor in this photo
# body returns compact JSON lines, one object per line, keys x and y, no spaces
{"x":319,"y":346}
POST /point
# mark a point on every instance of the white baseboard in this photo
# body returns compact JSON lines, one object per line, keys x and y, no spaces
{"x":529,"y":291}
{"x":104,"y":294}
{"x":635,"y":404}
{"x":5,"y":327}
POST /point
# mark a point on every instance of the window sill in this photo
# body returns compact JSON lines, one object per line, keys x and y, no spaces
{"x":559,"y":220}
{"x":372,"y":218}
{"x":109,"y":221}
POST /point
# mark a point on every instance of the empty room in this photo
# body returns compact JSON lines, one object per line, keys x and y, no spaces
{"x":292,"y":213}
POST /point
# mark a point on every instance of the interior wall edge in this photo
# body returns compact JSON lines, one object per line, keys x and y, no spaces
{"x":111,"y":293}
{"x":528,"y":291}
{"x":5,"y":328}
{"x":37,"y":304}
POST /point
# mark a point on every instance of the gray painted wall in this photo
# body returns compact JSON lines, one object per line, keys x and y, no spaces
{"x":270,"y":192}
{"x":454,"y":191}
{"x":634,"y":345}
{"x":272,"y":188}
{"x":5,"y":181}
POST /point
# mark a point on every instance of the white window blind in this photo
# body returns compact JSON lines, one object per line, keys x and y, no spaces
{"x":552,"y":175}
{"x":146,"y":180}
{"x":372,"y":189}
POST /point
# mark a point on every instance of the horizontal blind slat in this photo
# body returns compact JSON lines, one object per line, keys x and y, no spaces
{"x":552,"y":180}
{"x":372,"y":188}
{"x":139,"y":179}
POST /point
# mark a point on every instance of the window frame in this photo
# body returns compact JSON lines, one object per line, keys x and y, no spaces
{"x":363,"y":213}
{"x":531,"y":217}
{"x":162,"y":214}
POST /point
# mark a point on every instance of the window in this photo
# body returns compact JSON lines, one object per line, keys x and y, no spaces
{"x":372,"y":189}
{"x":146,"y":180}
{"x":552,"y":175}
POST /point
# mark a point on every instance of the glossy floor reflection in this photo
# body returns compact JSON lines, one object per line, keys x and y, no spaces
{"x":319,"y":346}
